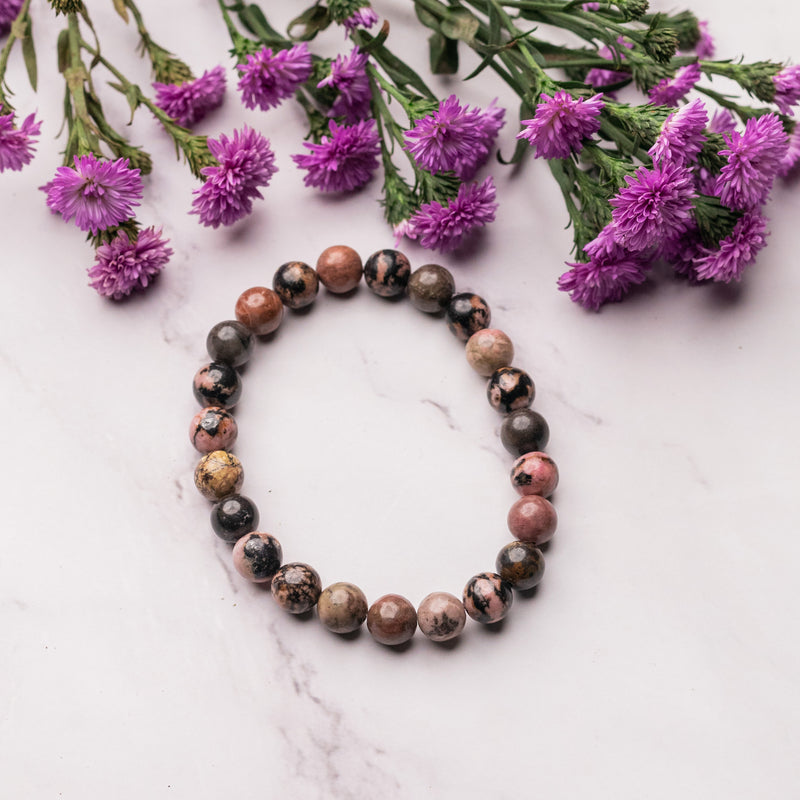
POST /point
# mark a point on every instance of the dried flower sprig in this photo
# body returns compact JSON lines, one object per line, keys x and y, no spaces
{"x":654,"y":180}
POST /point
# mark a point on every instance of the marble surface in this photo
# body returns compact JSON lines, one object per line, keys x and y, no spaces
{"x":658,"y":659}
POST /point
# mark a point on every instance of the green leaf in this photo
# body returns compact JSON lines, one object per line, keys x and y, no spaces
{"x":121,"y":9}
{"x":460,"y":24}
{"x":375,"y":43}
{"x":312,"y":21}
{"x":520,"y":151}
{"x":443,"y":54}
{"x":29,"y":54}
{"x":252,"y":17}
{"x":426,"y":18}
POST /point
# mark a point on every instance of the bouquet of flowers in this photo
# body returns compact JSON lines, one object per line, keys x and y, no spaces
{"x":678,"y":173}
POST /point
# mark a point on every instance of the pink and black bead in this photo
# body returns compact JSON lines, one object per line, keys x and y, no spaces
{"x":217,"y":384}
{"x":386,"y":272}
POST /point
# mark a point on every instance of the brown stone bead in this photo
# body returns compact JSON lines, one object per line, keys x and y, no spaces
{"x":339,"y":268}
{"x":430,"y":288}
{"x":489,"y":349}
{"x":260,"y":310}
{"x":534,"y":473}
{"x":520,"y":564}
{"x":218,"y":474}
{"x":441,"y":616}
{"x":392,"y":619}
{"x":532,"y":519}
{"x":296,"y":284}
{"x":342,"y":607}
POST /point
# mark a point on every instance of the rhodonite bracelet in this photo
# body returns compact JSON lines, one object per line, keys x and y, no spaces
{"x":258,"y":556}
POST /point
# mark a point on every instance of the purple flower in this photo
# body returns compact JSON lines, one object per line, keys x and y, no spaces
{"x":754,"y":159}
{"x":655,"y":206}
{"x":123,"y":265}
{"x":246,"y":162}
{"x":705,"y":44}
{"x":343,"y":161}
{"x":590,"y":7}
{"x":607,"y":276}
{"x":787,"y":89}
{"x":668,"y":92}
{"x":444,"y":228}
{"x":722,"y":121}
{"x":682,"y":252}
{"x":599,"y":78}
{"x":789,"y":161}
{"x":190,"y":101}
{"x":454,"y":137}
{"x":561,"y":123}
{"x":349,"y":77}
{"x":268,"y":79}
{"x":363,"y":17}
{"x":16,"y":144}
{"x":681,"y":137}
{"x":8,"y":12}
{"x":98,"y":193}
{"x":735,"y":251}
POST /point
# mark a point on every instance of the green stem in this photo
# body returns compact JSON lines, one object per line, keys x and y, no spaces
{"x":76,"y":75}
{"x":16,"y":26}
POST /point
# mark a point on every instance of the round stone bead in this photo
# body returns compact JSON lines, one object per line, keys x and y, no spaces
{"x":441,"y":616}
{"x":342,"y":607}
{"x":339,"y":268}
{"x":233,"y":517}
{"x":510,"y":389}
{"x":257,"y":556}
{"x":217,"y":384}
{"x":391,"y":619}
{"x":296,"y":284}
{"x":533,"y":519}
{"x":386,"y":272}
{"x":213,"y":428}
{"x":430,"y":288}
{"x":487,"y":598}
{"x":260,"y":310}
{"x":534,"y":473}
{"x":296,"y":587}
{"x":520,"y":564}
{"x":218,"y":474}
{"x":231,"y":342}
{"x":524,"y":431}
{"x":466,"y":314}
{"x":488,"y":350}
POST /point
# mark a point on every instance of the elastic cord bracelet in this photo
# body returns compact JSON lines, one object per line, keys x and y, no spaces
{"x":342,"y":607}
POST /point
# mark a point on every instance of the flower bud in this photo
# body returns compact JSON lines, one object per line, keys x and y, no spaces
{"x":67,"y":6}
{"x":661,"y":44}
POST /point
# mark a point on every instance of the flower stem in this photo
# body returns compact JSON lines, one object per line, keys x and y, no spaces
{"x":18,"y":26}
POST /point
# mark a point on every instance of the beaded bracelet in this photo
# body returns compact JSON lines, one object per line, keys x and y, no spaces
{"x":342,"y":607}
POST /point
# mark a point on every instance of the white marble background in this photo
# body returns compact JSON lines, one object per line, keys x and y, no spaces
{"x":660,"y":657}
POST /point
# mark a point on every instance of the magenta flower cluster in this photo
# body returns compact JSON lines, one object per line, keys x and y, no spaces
{"x":97,"y":193}
{"x":364,"y":17}
{"x":8,"y":13}
{"x":190,"y":101}
{"x":16,"y":143}
{"x":653,"y":214}
{"x":343,"y":161}
{"x":246,"y":163}
{"x":267,"y":78}
{"x":561,"y":124}
{"x":455,"y":138}
{"x":348,"y":77}
{"x":125,"y":264}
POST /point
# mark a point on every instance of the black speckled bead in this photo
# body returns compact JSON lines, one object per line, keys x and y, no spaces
{"x":430,"y":288}
{"x":231,"y":342}
{"x":524,"y":431}
{"x":520,"y":564}
{"x":386,"y":272}
{"x":467,"y":313}
{"x":257,"y":556}
{"x":217,"y":384}
{"x":296,"y":587}
{"x":510,"y":389}
{"x":296,"y":284}
{"x":233,"y":517}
